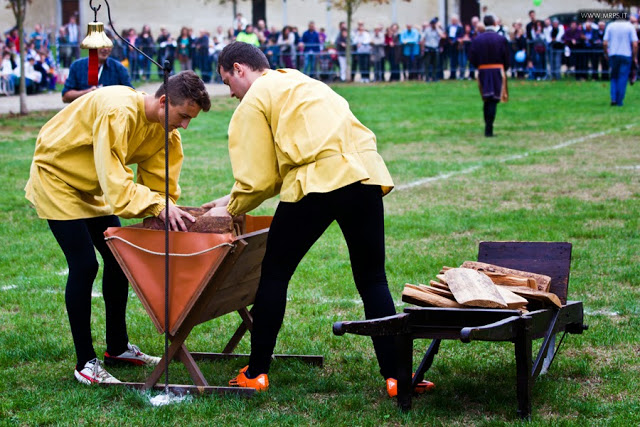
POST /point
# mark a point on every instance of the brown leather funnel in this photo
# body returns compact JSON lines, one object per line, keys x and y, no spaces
{"x":226,"y":266}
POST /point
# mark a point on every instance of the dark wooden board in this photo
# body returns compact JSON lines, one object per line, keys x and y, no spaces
{"x":550,"y":258}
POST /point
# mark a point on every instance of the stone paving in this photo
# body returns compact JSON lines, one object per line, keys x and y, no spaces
{"x":53,"y":100}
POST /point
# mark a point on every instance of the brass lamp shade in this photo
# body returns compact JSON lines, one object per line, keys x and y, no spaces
{"x":96,"y":37}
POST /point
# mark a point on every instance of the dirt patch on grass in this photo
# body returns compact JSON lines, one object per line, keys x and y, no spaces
{"x":585,"y":172}
{"x":600,"y":357}
{"x":604,"y":223}
{"x":17,"y":135}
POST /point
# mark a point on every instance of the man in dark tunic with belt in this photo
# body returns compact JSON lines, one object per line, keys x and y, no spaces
{"x":490,"y":55}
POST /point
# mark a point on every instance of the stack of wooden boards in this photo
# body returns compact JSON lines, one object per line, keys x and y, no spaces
{"x":476,"y":284}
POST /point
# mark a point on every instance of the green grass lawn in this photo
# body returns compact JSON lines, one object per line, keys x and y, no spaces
{"x":564,"y":167}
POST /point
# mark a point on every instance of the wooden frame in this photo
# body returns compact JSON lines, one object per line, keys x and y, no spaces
{"x":227,"y":283}
{"x":468,"y":324}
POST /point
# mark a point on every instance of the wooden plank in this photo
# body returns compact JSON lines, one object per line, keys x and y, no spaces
{"x":439,"y":285}
{"x":195,"y":372}
{"x":512,"y":300}
{"x":236,"y":338}
{"x":549,"y":258}
{"x":511,"y":280}
{"x":441,"y":278}
{"x":442,"y":292}
{"x":436,"y":291}
{"x":493,"y":270}
{"x":183,"y":389}
{"x":310,"y":359}
{"x":472,"y":288}
{"x":547,"y":298}
{"x":415,"y":292}
{"x":250,"y":261}
{"x":230,"y":299}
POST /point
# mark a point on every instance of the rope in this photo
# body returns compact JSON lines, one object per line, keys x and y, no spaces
{"x":163,"y":253}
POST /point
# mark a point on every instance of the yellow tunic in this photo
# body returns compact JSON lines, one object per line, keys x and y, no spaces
{"x":294,"y":135}
{"x":80,"y":170}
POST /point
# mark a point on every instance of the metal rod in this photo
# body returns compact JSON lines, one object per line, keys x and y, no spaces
{"x":166,"y":224}
{"x":127,"y":42}
{"x":167,"y":71}
{"x":95,"y":10}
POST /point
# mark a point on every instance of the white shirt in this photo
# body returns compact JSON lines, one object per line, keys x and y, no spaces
{"x":7,"y":68}
{"x":72,"y":32}
{"x":362,"y":40}
{"x":619,"y":35}
{"x":547,"y":33}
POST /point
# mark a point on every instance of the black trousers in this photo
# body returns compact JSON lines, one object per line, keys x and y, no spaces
{"x":295,"y":228}
{"x":489,"y":108}
{"x":77,"y":238}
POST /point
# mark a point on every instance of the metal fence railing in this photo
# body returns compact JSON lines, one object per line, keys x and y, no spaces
{"x":535,"y":60}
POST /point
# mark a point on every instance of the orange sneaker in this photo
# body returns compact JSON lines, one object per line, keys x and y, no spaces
{"x":260,"y":383}
{"x":421,"y":387}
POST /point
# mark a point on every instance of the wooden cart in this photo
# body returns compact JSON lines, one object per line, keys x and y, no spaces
{"x":467,"y":324}
{"x":210,"y":275}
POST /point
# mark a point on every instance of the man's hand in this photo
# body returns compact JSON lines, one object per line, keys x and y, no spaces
{"x":220,"y":211}
{"x":221,"y":202}
{"x":176,"y":215}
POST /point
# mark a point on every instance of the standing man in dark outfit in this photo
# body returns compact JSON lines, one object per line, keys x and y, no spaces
{"x":490,"y":55}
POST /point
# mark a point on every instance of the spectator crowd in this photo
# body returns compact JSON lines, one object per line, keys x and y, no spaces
{"x":540,"y":49}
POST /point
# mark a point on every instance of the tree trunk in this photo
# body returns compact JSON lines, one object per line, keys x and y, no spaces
{"x":19,"y":8}
{"x":23,"y":81}
{"x":347,"y":51}
{"x":258,"y":11}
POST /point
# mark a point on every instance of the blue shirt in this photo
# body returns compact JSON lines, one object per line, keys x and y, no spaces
{"x":311,"y":40}
{"x":113,"y":73}
{"x":410,"y":40}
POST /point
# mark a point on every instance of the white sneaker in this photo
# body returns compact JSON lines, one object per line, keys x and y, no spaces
{"x":94,"y":373}
{"x":132,"y":356}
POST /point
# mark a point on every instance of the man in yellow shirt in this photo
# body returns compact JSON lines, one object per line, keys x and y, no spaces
{"x":294,"y":136}
{"x":80,"y":182}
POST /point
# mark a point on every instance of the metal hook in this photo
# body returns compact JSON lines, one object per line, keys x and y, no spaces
{"x":95,"y":10}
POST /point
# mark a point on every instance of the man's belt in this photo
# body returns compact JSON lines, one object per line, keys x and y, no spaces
{"x":491,"y":67}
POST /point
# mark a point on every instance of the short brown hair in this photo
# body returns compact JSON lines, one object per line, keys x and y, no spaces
{"x":186,"y":86}
{"x":242,"y":53}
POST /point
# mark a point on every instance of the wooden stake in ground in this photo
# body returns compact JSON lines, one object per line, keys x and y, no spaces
{"x":472,"y":288}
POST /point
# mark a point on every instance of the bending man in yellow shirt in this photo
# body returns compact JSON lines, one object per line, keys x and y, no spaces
{"x":294,"y":136}
{"x":80,"y":182}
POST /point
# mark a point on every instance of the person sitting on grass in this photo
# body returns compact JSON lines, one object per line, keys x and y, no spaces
{"x":294,"y":136}
{"x":80,"y":182}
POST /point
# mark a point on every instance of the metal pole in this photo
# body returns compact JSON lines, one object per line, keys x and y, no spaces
{"x":167,"y":70}
{"x":284,"y":13}
{"x":329,"y":27}
{"x":394,"y":11}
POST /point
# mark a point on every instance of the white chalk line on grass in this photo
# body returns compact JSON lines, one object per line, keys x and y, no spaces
{"x":564,"y":144}
{"x":94,"y":294}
